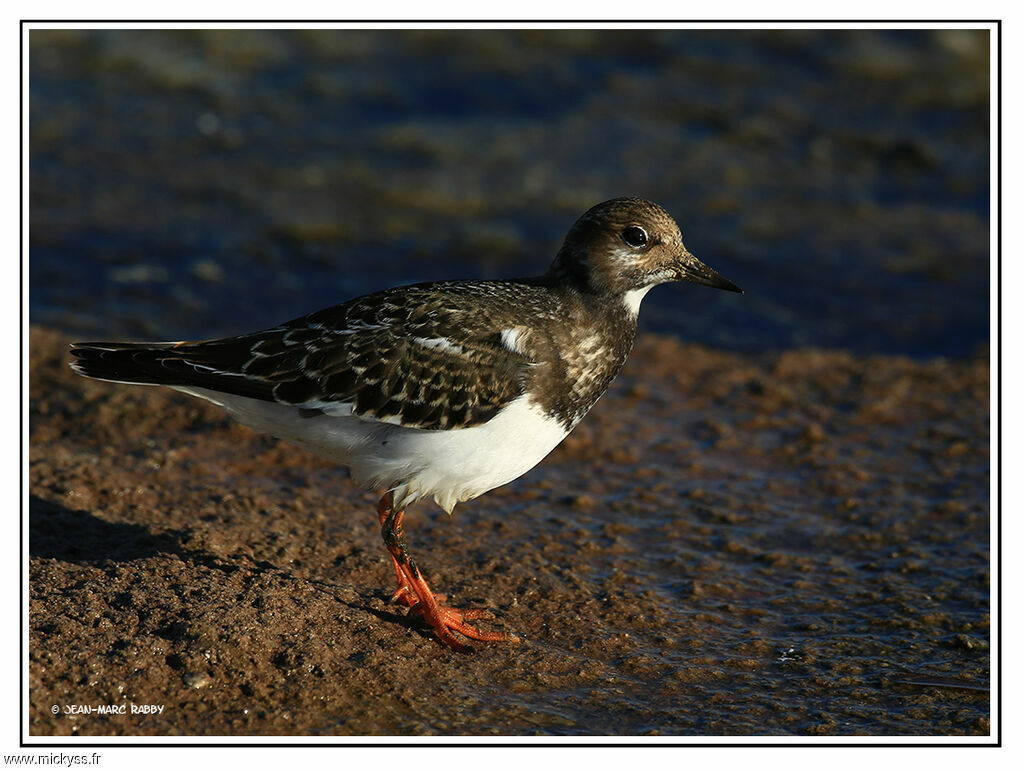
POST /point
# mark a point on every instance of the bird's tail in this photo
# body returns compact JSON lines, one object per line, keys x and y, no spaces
{"x":188,"y":365}
{"x":142,"y":363}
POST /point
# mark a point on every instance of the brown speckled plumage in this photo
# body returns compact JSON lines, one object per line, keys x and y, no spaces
{"x":375,"y":353}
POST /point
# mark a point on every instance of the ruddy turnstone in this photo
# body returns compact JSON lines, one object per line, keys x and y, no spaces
{"x":445,"y":389}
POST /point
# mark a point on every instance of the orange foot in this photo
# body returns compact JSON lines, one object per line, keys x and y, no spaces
{"x":414,"y":593}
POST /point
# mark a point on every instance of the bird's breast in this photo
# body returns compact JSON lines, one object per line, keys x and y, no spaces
{"x":577,"y":368}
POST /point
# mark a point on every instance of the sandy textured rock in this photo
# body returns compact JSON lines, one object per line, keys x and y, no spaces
{"x":786,"y":544}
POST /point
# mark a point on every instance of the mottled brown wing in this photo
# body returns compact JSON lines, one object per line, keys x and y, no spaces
{"x":410,"y":356}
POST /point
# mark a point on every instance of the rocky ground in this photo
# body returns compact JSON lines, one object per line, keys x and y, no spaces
{"x":786,"y":544}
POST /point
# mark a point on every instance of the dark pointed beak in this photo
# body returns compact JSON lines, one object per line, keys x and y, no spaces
{"x":693,"y":270}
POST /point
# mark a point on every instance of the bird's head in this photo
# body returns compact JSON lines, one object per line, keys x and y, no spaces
{"x":625,"y":246}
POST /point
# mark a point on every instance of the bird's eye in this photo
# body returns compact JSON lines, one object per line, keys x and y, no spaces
{"x":634,"y":236}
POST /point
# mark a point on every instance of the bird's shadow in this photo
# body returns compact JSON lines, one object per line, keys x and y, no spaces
{"x":80,"y":537}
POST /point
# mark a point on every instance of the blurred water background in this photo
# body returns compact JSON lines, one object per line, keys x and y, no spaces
{"x":204,"y":182}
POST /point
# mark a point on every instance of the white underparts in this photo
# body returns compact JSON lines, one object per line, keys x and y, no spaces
{"x":449,"y":465}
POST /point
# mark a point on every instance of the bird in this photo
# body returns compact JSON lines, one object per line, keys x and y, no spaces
{"x":445,"y":389}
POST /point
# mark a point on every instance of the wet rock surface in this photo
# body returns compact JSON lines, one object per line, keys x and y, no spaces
{"x":783,"y":544}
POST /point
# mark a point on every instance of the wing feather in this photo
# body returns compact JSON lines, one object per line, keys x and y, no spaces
{"x":413,"y":356}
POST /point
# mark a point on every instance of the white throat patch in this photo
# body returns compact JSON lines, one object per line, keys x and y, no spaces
{"x":632,"y":298}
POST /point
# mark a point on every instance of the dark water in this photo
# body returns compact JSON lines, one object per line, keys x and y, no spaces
{"x":201,"y":183}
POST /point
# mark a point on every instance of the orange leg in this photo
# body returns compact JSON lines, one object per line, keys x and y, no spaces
{"x":413,"y":591}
